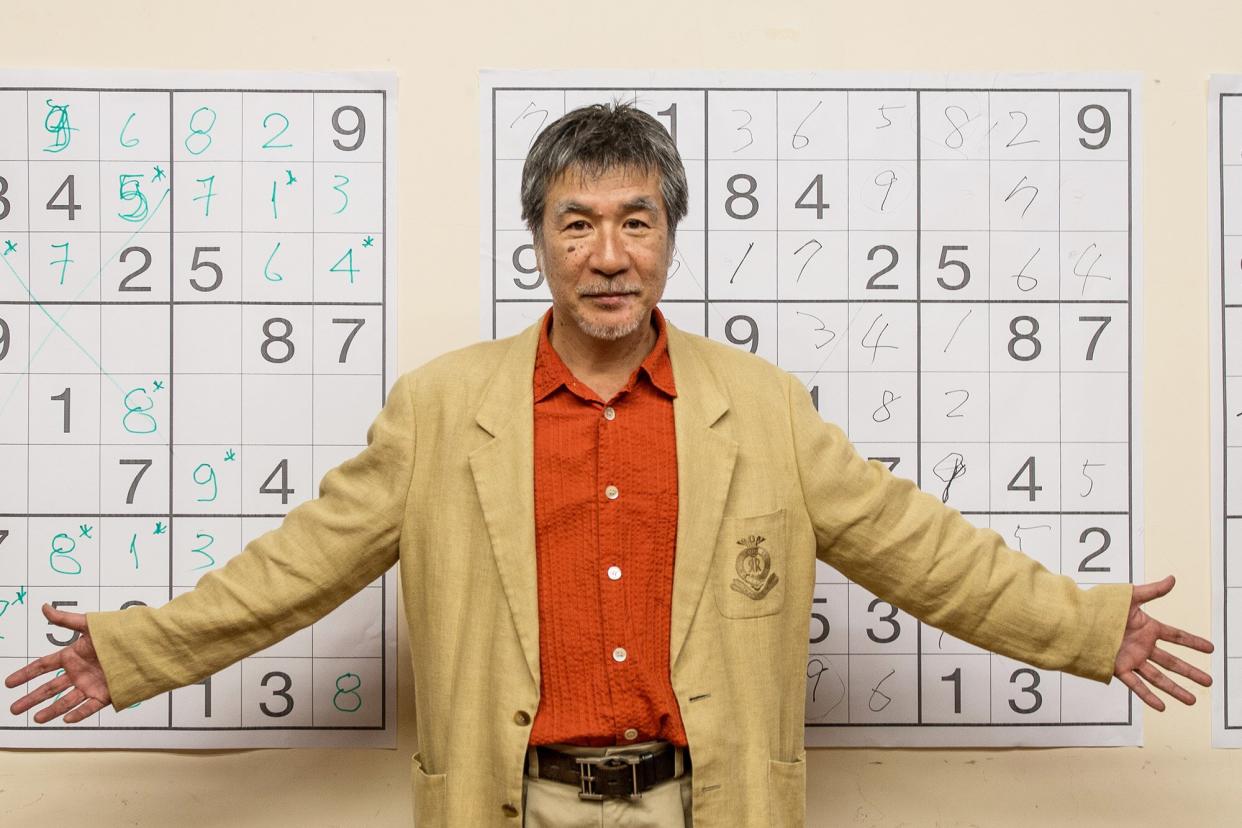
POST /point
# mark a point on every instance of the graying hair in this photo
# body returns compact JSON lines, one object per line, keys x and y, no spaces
{"x":598,"y":138}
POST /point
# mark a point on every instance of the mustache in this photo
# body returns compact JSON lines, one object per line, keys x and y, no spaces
{"x":602,"y":289}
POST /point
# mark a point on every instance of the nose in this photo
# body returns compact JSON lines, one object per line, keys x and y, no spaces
{"x":609,"y":255}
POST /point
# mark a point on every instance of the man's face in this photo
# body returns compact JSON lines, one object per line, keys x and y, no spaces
{"x":605,"y":249}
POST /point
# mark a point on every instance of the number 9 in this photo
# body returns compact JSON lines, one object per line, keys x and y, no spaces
{"x":359,"y":128}
{"x":751,"y":339}
{"x":1104,"y":130}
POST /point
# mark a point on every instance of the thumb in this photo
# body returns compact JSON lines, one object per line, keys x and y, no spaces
{"x":75,"y":621}
{"x":1148,"y":592}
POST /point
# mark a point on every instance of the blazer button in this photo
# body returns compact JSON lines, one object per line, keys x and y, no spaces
{"x":521,"y":718}
{"x":508,"y":810}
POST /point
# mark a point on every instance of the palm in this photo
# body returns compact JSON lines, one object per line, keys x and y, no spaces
{"x":79,"y":679}
{"x":1139,"y":655}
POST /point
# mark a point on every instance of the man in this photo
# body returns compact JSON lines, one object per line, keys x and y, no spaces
{"x":607,"y":532}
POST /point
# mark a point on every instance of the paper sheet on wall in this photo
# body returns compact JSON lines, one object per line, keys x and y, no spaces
{"x":196,"y":322}
{"x":951,"y":265}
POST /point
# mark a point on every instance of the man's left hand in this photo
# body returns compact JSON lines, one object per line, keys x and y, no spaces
{"x":1139,"y":655}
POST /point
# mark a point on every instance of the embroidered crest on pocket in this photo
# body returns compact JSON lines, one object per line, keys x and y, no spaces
{"x":754,"y":569}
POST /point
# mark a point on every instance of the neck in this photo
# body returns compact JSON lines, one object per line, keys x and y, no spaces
{"x":603,"y":365}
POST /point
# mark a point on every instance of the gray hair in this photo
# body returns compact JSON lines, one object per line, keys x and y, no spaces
{"x":598,"y":138}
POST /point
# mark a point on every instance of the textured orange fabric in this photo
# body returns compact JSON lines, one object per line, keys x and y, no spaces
{"x":589,"y":696}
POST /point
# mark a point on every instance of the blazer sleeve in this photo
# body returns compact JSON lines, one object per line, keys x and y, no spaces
{"x":326,"y":550}
{"x":911,"y":550}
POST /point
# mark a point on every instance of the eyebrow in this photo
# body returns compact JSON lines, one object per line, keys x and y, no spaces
{"x":640,"y":203}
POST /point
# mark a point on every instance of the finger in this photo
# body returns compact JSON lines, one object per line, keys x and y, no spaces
{"x":34,"y":669}
{"x":61,"y":706}
{"x":1179,"y":636}
{"x":72,"y":620}
{"x":1172,"y":662}
{"x":1162,"y":682}
{"x":1131,"y":680}
{"x":42,"y":694}
{"x":1148,"y":592}
{"x":88,"y":708}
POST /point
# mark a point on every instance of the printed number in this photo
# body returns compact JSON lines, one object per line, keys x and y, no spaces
{"x":874,"y":282}
{"x":282,"y":338}
{"x":349,"y":337}
{"x":1027,"y":468}
{"x":670,"y":113}
{"x":206,"y":683}
{"x":268,"y":143}
{"x":825,"y":627}
{"x":5,"y":337}
{"x":133,"y":486}
{"x":282,"y":468}
{"x":1104,"y":130}
{"x":283,"y":692}
{"x":5,"y":206}
{"x":1028,"y":336}
{"x":890,"y":619}
{"x":947,"y":262}
{"x":956,"y":678}
{"x":1106,"y":540}
{"x":819,"y":205}
{"x":815,"y":396}
{"x":521,"y":268}
{"x":199,"y":130}
{"x":346,"y":699}
{"x":747,"y":195}
{"x":65,"y":397}
{"x":198,"y":263}
{"x":70,"y":206}
{"x":142,"y":268}
{"x":1037,"y":697}
{"x":57,"y":641}
{"x":751,"y":339}
{"x":1103,"y":321}
{"x":359,"y":128}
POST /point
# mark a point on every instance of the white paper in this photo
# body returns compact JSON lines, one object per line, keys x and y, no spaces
{"x":969,"y":382}
{"x":197,"y":294}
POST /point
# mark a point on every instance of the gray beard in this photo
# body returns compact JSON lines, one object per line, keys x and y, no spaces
{"x":610,"y":333}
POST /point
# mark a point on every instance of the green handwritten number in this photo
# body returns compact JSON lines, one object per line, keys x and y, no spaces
{"x":348,"y":261}
{"x":268,"y":273}
{"x":268,"y":143}
{"x":342,"y":180}
{"x":136,"y":420}
{"x":64,"y":262}
{"x":200,"y":131}
{"x":202,"y":550}
{"x":209,"y":479}
{"x":62,"y":555}
{"x":128,"y":142}
{"x":131,"y":190}
{"x":209,"y":184}
{"x":56,"y":123}
{"x":133,"y":548}
{"x":346,"y":699}
{"x":275,"y":215}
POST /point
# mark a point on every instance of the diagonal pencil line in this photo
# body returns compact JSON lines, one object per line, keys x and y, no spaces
{"x":56,"y":321}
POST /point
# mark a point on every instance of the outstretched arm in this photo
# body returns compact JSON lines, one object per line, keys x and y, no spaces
{"x":83,"y":675}
{"x":1139,"y":655}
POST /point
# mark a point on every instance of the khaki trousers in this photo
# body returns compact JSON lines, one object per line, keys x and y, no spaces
{"x":551,"y":804}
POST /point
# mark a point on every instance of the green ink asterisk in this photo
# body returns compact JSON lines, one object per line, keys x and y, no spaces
{"x":21,"y":595}
{"x":159,"y":173}
{"x":156,"y":385}
{"x":159,"y":528}
{"x":230,"y":456}
{"x":9,"y":247}
{"x":84,"y":531}
{"x":291,"y":178}
{"x":368,"y":241}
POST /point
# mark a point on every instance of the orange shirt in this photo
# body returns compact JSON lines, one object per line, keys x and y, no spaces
{"x":605,"y":532}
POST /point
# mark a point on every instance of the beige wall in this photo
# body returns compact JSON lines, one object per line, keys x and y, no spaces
{"x":437,"y":50}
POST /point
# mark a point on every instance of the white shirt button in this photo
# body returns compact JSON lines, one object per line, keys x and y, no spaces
{"x":619,"y":654}
{"x":610,"y":413}
{"x":612,"y":492}
{"x":630,"y":733}
{"x":614,"y":573}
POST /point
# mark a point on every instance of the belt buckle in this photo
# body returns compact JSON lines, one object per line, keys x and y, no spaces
{"x":587,"y":778}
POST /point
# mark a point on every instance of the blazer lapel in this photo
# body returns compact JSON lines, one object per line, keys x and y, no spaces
{"x":504,"y":477}
{"x":705,"y":459}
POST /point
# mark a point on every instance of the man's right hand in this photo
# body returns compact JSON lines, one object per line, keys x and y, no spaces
{"x":82,"y":676}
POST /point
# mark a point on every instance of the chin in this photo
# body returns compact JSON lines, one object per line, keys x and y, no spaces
{"x":610,"y":330}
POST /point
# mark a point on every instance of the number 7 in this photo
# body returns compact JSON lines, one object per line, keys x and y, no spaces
{"x":1103,"y":320}
{"x":349,"y":338}
{"x":133,"y":487}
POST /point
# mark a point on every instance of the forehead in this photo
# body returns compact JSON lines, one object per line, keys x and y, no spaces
{"x":612,"y":185}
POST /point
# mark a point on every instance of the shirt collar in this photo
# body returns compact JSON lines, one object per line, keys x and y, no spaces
{"x":551,"y":372}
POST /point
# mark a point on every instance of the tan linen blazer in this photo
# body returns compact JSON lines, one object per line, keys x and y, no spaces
{"x":445,"y":489}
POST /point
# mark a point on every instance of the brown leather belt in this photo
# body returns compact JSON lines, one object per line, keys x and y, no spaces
{"x":624,"y":776}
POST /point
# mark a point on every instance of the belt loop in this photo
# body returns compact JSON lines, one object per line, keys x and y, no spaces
{"x":679,"y":762}
{"x":532,"y":760}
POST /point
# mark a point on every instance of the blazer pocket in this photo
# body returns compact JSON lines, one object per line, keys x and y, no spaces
{"x":430,"y":791}
{"x":750,"y":565}
{"x":787,"y":793}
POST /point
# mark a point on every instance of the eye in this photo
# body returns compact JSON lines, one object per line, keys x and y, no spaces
{"x":636,"y":224}
{"x":576,"y":226}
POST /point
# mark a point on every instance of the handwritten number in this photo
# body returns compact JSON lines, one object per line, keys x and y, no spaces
{"x":268,"y":143}
{"x":200,"y":130}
